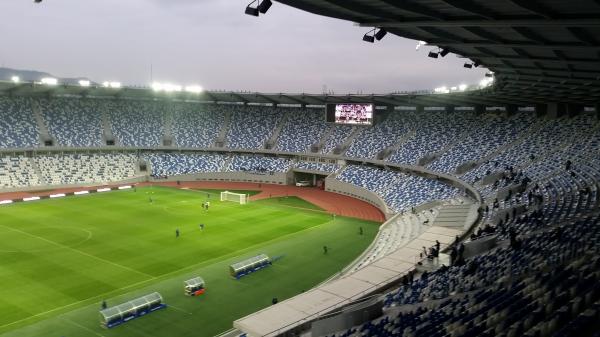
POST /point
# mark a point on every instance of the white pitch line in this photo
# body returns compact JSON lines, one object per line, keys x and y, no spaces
{"x":179,"y":309}
{"x":78,"y":251}
{"x":81,"y":326}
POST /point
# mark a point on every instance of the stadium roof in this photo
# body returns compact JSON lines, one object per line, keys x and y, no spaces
{"x":539,"y":50}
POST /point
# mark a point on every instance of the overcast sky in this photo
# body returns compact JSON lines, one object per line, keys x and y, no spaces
{"x":214,"y":44}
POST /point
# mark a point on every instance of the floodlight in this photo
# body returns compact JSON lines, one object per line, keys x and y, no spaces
{"x":157,"y":86}
{"x":251,"y":10}
{"x":453,"y":88}
{"x":49,"y":81}
{"x":369,"y":38}
{"x":475,"y":64}
{"x":468,"y":65}
{"x":444,"y":52}
{"x":264,"y":6}
{"x":489,"y":74}
{"x":433,"y":54}
{"x":171,"y":87}
{"x":194,"y":89}
{"x":419,"y":44}
{"x":462,"y":87}
{"x":380,"y":34}
{"x":15,"y":79}
{"x":84,"y":83}
{"x":114,"y":85}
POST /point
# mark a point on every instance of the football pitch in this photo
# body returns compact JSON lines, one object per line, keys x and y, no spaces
{"x":60,"y":258}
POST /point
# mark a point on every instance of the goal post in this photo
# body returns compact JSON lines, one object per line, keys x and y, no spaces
{"x":240,"y":198}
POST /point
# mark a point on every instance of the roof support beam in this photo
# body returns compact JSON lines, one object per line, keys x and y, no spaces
{"x":471,"y":7}
{"x":582,"y":22}
{"x":265,"y":97}
{"x":594,"y":73}
{"x":510,"y":44}
{"x":415,"y":8}
{"x":292,"y":98}
{"x":561,"y":60}
{"x":535,"y":8}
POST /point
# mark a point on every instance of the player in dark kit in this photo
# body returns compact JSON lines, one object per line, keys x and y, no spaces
{"x":177,"y":233}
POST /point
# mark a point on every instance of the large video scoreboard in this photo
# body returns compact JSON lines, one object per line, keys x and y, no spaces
{"x":350,"y":113}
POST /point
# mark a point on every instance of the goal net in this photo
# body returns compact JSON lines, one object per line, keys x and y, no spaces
{"x":235,"y":197}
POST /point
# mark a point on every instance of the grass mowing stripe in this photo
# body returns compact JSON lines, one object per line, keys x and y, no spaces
{"x":167,"y":275}
{"x":136,"y":233}
{"x":78,"y":251}
{"x":82,"y":327}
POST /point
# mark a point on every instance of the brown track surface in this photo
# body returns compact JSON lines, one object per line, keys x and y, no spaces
{"x":330,"y":202}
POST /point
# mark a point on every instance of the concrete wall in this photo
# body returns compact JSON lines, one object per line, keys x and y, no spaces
{"x":267,"y":178}
{"x":336,"y":186}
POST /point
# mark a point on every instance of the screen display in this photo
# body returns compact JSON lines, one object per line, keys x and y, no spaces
{"x":351,"y":113}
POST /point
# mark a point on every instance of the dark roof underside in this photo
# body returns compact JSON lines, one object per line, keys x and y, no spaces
{"x":540,"y":50}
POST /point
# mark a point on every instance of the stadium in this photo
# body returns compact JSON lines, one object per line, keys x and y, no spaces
{"x":167,"y":210}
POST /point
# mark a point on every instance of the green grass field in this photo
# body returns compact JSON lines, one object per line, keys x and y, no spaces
{"x":60,"y":258}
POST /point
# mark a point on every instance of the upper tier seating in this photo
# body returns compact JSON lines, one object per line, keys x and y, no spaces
{"x":17,"y":124}
{"x":338,"y":136}
{"x":137,"y":123}
{"x":371,"y":140}
{"x":493,"y":133}
{"x":98,"y":168}
{"x":196,"y":125}
{"x":73,"y":122}
{"x":251,"y":127}
{"x":303,"y":128}
{"x":434,"y":130}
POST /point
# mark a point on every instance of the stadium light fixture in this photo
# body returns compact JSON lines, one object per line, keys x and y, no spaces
{"x":84,"y":83}
{"x":433,"y":54}
{"x":441,"y":90}
{"x":49,"y":81}
{"x":114,"y":85}
{"x":444,"y":52}
{"x":489,"y":74}
{"x":420,"y":44}
{"x":264,"y":6}
{"x":381,"y":33}
{"x":15,"y":79}
{"x":369,"y":38}
{"x":194,"y":89}
{"x":475,"y":64}
{"x":468,"y":65}
{"x":462,"y":87}
{"x":252,"y":10}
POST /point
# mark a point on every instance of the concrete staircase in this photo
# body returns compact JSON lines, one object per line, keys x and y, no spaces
{"x":45,"y":138}
{"x":107,"y":133}
{"x":221,"y":139}
{"x":38,"y":171}
{"x":387,"y":152}
{"x":341,"y":149}
{"x":168,"y":128}
{"x":428,"y":159}
{"x":226,"y":163}
{"x":271,"y":143}
{"x":316,"y":148}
